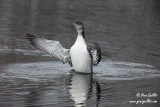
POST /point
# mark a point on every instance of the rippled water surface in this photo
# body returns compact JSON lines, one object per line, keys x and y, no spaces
{"x":128,"y":32}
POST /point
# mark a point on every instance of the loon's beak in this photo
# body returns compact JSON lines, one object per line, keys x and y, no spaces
{"x":75,"y":24}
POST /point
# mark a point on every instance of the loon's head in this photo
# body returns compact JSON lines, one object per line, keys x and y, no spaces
{"x":79,"y":27}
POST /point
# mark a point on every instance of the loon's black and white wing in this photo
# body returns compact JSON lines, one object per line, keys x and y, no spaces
{"x":54,"y":48}
{"x":95,"y":53}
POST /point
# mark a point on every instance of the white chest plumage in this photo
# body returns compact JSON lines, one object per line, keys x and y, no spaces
{"x":80,"y":57}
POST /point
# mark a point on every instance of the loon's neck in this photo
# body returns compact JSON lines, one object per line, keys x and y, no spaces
{"x":80,"y":40}
{"x":81,"y":33}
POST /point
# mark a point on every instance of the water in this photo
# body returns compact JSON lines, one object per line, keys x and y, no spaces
{"x":127,"y":31}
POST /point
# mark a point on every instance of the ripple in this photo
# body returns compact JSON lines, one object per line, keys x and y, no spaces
{"x":110,"y":70}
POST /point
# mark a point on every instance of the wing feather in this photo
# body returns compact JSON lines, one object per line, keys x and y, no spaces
{"x":95,"y":53}
{"x":51,"y":47}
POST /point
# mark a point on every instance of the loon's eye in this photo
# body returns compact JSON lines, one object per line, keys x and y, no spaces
{"x":79,"y":23}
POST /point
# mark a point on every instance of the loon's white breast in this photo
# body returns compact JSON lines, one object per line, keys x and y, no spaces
{"x":80,"y":57}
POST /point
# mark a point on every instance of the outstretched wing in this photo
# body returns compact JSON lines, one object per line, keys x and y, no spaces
{"x":95,"y":53}
{"x":51,"y":47}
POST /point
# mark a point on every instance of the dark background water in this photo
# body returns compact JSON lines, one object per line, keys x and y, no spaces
{"x":128,"y":32}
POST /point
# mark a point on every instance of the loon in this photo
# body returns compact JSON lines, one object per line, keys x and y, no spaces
{"x":80,"y":56}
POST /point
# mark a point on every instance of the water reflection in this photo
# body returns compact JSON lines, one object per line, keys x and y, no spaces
{"x":82,"y":88}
